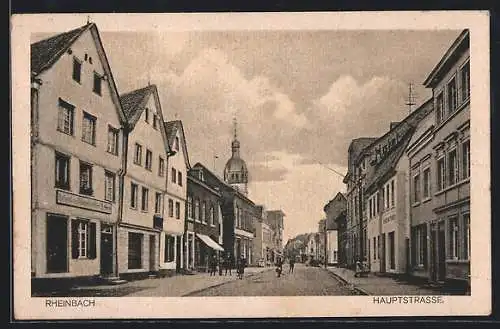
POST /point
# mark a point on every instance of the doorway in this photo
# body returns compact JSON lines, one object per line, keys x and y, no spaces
{"x":441,"y":266}
{"x":152,"y":253}
{"x":106,"y":249}
{"x":382,"y":254}
{"x":178,"y":250}
{"x":57,"y":244}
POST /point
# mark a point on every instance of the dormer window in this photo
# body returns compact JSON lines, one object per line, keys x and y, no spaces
{"x":200,"y":175}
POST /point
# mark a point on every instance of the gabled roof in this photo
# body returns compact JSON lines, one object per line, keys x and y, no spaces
{"x":171,"y":129}
{"x":388,"y":164}
{"x":134,"y":104}
{"x":45,"y":53}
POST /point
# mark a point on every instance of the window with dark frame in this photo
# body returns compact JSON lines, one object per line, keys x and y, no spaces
{"x":83,"y":236}
{"x":452,"y":96}
{"x":466,"y":236}
{"x":161,"y":166}
{"x":65,"y":117}
{"x":145,"y":199}
{"x":138,"y":154}
{"x":465,"y":81}
{"x":109,"y":186}
{"x":179,"y":178}
{"x":169,"y":248}
{"x":441,"y":177}
{"x":158,"y":197}
{"x":77,"y":70}
{"x":86,"y":179}
{"x":440,"y":107}
{"x":134,"y":191}
{"x":97,"y":83}
{"x":190,"y":207}
{"x":170,"y":208}
{"x":177,"y":210}
{"x":135,"y":250}
{"x":174,"y":175}
{"x":149,"y":159}
{"x":453,"y":238}
{"x":427,"y":183}
{"x":88,"y":128}
{"x":62,"y":171}
{"x":112,"y":140}
{"x":416,"y":188}
{"x":146,"y":115}
{"x":392,"y":194}
{"x":452,"y":167}
{"x":155,"y":123}
{"x":466,"y":159}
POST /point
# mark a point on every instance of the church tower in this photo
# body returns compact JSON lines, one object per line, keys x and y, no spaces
{"x":235,"y":171}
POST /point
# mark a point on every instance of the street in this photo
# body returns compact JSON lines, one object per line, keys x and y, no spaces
{"x":305,"y":281}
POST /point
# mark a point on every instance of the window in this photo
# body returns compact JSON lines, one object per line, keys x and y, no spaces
{"x":440,"y":108}
{"x":138,"y":154}
{"x":190,"y":207}
{"x":466,"y":238}
{"x":169,"y":248}
{"x":452,"y":167}
{"x":179,"y":178}
{"x":453,"y":238}
{"x":155,"y":121}
{"x":465,"y":81}
{"x":149,"y":159}
{"x":441,"y":169}
{"x":466,"y":159}
{"x":97,"y":84}
{"x":452,"y":96}
{"x":135,"y":250}
{"x":178,"y":210}
{"x":62,"y":171}
{"x":392,"y":194}
{"x":112,"y":140}
{"x":146,"y":115}
{"x":197,"y":209}
{"x":370,"y":212}
{"x":88,"y":128}
{"x":176,"y":143}
{"x":161,"y":166}
{"x":174,"y":175}
{"x":85,"y":178}
{"x":109,"y":186}
{"x":134,"y":191}
{"x":203,"y":212}
{"x":83,"y":235}
{"x":145,"y":202}
{"x":387,"y":202}
{"x":427,"y":183}
{"x":170,"y":208}
{"x":421,"y":245}
{"x":65,"y":117}
{"x":77,"y":69}
{"x":416,"y":188}
{"x":158,"y":197}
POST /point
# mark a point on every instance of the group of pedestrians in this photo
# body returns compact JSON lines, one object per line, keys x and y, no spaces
{"x":279,"y":265}
{"x":226,"y":265}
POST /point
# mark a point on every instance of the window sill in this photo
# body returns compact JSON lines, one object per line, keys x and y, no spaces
{"x":144,"y":211}
{"x":89,"y":143}
{"x":133,"y":208}
{"x":415,"y":204}
{"x":457,"y":261}
{"x":451,"y":187}
{"x":66,"y":133}
{"x":426,"y":200}
{"x":112,"y":153}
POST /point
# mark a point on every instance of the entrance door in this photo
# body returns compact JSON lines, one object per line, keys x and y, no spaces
{"x":434,"y":252}
{"x":441,"y":268}
{"x":106,"y":249}
{"x":152,"y":253}
{"x":57,"y":244}
{"x":178,"y":249}
{"x":382,"y":254}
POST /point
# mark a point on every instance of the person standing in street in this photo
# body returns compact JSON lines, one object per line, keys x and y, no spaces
{"x":291,"y":264}
{"x":227,"y":264}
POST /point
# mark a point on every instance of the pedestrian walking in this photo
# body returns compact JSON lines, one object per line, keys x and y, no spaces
{"x":227,"y":264}
{"x":291,"y":264}
{"x":279,"y":266}
{"x":241,"y":267}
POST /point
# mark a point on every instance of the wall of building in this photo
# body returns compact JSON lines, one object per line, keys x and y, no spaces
{"x":332,"y":246}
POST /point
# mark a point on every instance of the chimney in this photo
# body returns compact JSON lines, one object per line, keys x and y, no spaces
{"x":393,"y":124}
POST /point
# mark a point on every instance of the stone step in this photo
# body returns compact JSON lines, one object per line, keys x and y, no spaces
{"x":114,"y":280}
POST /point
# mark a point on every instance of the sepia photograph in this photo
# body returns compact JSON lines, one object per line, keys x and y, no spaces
{"x":293,"y":163}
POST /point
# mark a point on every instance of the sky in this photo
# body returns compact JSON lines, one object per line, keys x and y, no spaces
{"x":299,"y":97}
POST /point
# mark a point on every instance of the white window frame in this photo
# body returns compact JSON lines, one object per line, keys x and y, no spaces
{"x":65,"y":117}
{"x":453,"y":236}
{"x":452,"y":167}
{"x":426,"y":185}
{"x":190,"y":207}
{"x":144,"y":199}
{"x":89,"y":125}
{"x":82,"y":230}
{"x":109,"y":186}
{"x":148,"y":163}
{"x":138,"y":154}
{"x":441,"y":174}
{"x":134,"y":195}
{"x":158,"y":203}
{"x":465,"y":159}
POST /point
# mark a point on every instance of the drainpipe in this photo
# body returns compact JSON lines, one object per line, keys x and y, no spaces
{"x":121,"y":176}
{"x":35,"y":87}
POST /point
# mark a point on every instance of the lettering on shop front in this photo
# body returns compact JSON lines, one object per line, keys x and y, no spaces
{"x":78,"y":201}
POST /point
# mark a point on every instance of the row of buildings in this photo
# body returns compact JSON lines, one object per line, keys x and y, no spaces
{"x":113,"y":190}
{"x":408,"y":191}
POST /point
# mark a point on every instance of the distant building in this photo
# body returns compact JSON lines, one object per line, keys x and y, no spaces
{"x":340,"y":222}
{"x":204,"y":220}
{"x":275,"y":219}
{"x":333,"y":209}
{"x":76,"y":157}
{"x":263,"y":247}
{"x":173,"y":243}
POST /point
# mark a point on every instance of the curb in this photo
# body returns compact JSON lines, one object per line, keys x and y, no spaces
{"x":219,"y":284}
{"x":360,"y":291}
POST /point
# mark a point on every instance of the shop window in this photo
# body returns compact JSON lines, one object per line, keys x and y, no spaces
{"x":134,"y":250}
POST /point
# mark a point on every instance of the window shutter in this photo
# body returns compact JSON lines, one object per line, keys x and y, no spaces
{"x":92,"y":241}
{"x":74,"y":239}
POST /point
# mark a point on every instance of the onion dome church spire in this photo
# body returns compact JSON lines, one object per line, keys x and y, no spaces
{"x":235,"y":171}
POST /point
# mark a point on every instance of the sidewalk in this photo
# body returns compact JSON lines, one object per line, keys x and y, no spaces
{"x":174,"y":286}
{"x":383,"y":285}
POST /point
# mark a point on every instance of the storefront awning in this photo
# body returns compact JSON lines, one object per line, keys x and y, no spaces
{"x":209,"y":242}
